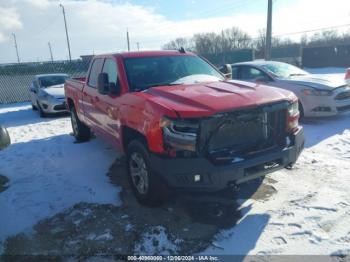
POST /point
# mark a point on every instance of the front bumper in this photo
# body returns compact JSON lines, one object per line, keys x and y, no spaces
{"x":323,"y":106}
{"x":53,"y":106}
{"x":179,"y":173}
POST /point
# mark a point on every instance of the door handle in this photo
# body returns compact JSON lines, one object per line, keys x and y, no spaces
{"x":97,"y":99}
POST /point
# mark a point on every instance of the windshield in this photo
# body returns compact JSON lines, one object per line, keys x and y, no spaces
{"x":47,"y":81}
{"x":146,"y":72}
{"x":282,"y":70}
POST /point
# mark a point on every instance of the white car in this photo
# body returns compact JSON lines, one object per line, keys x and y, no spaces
{"x":47,"y":94}
{"x":319,"y":95}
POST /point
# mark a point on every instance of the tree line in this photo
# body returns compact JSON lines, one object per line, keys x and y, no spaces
{"x":234,"y":38}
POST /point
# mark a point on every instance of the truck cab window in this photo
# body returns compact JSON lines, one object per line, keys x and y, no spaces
{"x":110,"y":68}
{"x":95,"y":70}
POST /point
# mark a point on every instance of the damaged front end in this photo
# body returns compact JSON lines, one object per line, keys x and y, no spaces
{"x":231,"y":136}
{"x":213,"y":153}
{"x":235,"y":136}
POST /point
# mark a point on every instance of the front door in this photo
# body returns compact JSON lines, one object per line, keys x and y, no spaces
{"x":91,"y":97}
{"x":109,"y":104}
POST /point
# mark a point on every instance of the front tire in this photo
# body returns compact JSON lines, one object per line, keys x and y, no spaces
{"x":145,"y":184}
{"x":34,"y":108}
{"x":81,"y":132}
{"x":41,"y":111}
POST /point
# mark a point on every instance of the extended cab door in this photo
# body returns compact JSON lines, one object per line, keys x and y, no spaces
{"x":91,"y":96}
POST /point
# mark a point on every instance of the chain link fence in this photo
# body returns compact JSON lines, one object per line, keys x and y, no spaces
{"x":15,"y":79}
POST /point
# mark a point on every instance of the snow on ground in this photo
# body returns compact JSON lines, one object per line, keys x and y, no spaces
{"x":309,"y":213}
{"x":48,"y":172}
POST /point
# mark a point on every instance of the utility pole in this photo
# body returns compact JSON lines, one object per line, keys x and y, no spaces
{"x":127,"y":39}
{"x":50,"y":51}
{"x":138,"y":46}
{"x":14,"y":39}
{"x":65,"y":25}
{"x":268,"y":31}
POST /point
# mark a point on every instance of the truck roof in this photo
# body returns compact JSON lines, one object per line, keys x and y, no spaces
{"x":147,"y":53}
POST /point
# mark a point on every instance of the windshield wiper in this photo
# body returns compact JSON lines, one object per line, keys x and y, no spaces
{"x":165,"y":84}
{"x":297,"y":75}
{"x":155,"y":85}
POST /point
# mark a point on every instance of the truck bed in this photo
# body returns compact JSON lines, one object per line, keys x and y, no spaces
{"x":76,"y":83}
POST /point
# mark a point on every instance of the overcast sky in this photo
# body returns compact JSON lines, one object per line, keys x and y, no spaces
{"x":100,"y":26}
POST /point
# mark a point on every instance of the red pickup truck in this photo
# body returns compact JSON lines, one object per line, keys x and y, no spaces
{"x":182,"y":124}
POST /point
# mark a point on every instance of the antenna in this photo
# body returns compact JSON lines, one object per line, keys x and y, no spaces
{"x":182,"y":50}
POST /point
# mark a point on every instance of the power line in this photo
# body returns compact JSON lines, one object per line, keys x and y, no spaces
{"x":209,"y":12}
{"x":312,"y":30}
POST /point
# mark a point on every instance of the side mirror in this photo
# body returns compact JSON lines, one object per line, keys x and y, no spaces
{"x":105,"y":87}
{"x":32,"y":89}
{"x":103,"y":83}
{"x":5,"y":140}
{"x":227,"y":71}
{"x":114,"y":89}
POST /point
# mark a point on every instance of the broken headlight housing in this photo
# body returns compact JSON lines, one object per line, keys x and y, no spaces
{"x":180,"y":134}
{"x":293,"y":117}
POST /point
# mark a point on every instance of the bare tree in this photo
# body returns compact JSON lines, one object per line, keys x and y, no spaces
{"x":176,"y":44}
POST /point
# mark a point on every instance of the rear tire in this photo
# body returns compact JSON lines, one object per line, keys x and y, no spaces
{"x":145,"y":184}
{"x":81,"y":132}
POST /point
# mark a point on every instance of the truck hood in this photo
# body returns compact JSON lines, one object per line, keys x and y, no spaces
{"x":325,"y":82}
{"x":206,"y":99}
{"x":56,"y":91}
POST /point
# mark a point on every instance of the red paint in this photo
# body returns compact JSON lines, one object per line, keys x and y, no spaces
{"x":142,"y":111}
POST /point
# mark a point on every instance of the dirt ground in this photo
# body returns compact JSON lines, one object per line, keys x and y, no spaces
{"x":184,"y":224}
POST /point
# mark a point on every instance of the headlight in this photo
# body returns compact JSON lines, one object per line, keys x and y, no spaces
{"x":293,"y":117}
{"x":180,"y":134}
{"x":316,"y":92}
{"x":293,"y":109}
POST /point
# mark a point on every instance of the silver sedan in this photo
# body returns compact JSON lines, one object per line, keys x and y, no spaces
{"x":47,"y":94}
{"x":319,"y":95}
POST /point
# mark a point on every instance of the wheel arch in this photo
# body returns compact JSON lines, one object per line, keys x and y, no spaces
{"x":129,"y":134}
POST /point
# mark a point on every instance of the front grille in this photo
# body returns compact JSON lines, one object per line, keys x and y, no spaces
{"x":244,"y":132}
{"x":343,"y":96}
